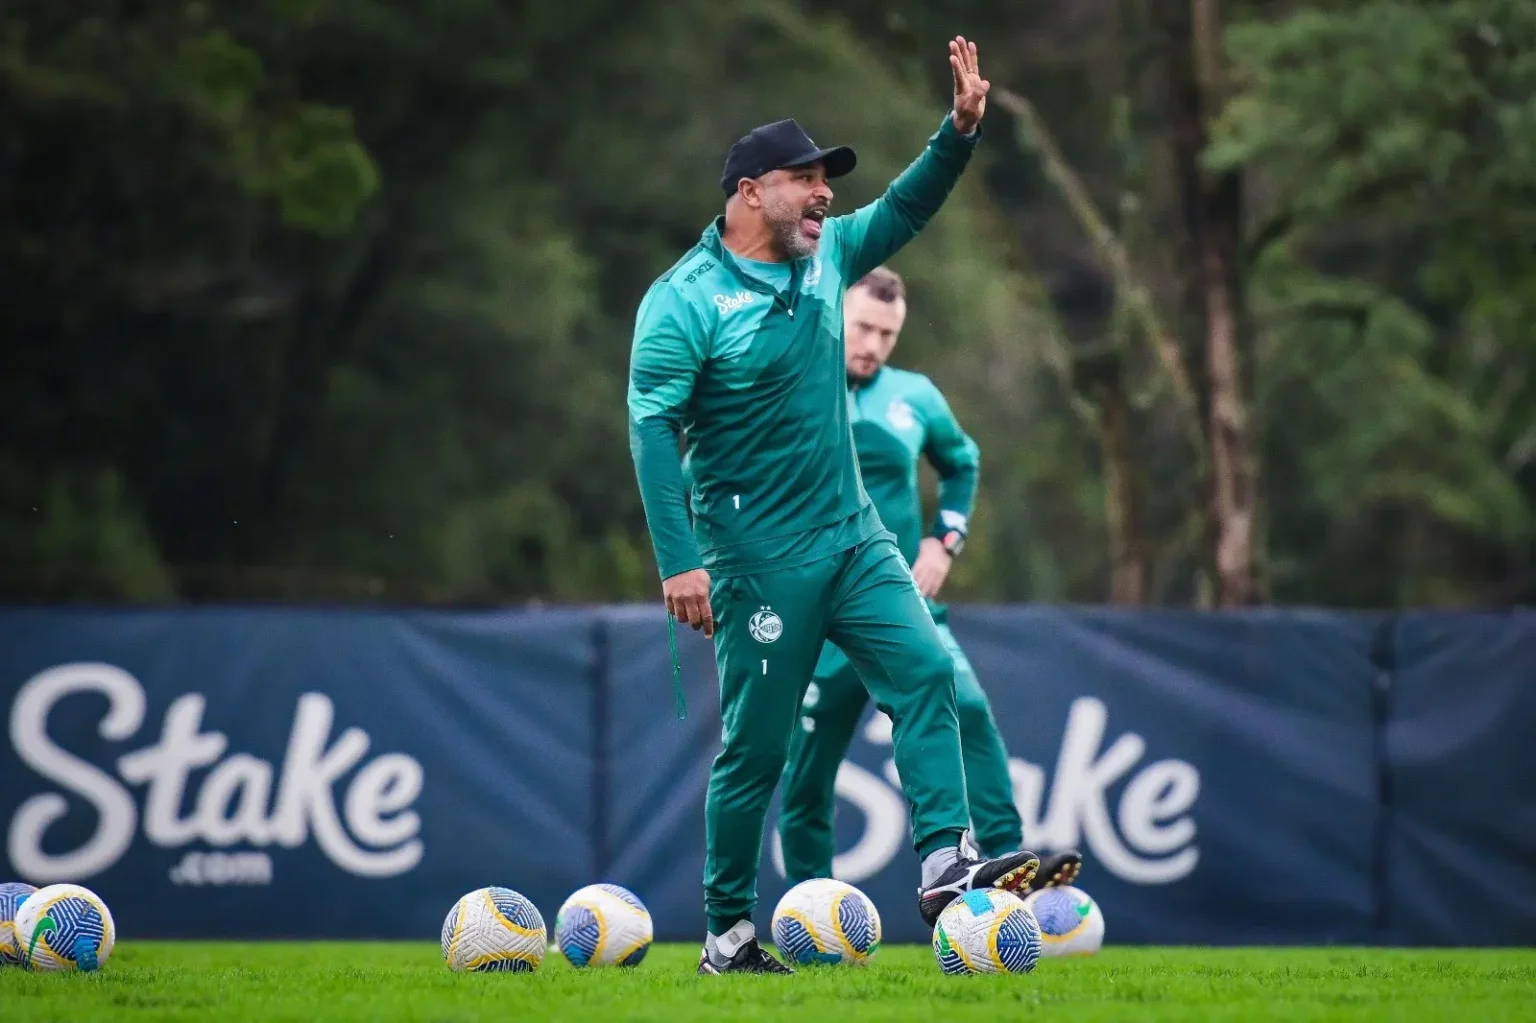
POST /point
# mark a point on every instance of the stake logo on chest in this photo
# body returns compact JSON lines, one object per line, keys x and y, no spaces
{"x":729,"y":303}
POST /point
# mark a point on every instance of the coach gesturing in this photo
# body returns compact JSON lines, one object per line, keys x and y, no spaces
{"x":740,"y":346}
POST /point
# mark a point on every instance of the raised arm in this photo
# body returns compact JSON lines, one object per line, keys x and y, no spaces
{"x":869,"y":236}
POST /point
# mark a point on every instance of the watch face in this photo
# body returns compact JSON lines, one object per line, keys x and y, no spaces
{"x":953,"y":542}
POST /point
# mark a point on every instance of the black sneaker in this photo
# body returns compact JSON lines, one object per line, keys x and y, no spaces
{"x":1011,"y":872}
{"x":749,"y":958}
{"x":1056,"y":869}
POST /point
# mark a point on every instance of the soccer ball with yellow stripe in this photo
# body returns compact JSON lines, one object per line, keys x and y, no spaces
{"x":12,"y":895}
{"x":494,"y":929}
{"x":64,"y":927}
{"x":987,"y":930}
{"x":823,"y":921}
{"x":603,"y":925}
{"x":1071,"y":923}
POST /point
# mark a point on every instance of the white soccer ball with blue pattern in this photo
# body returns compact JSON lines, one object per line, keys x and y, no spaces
{"x":987,"y":930}
{"x":494,"y":930}
{"x":12,"y":895}
{"x":64,"y":927}
{"x":824,"y":921}
{"x":1070,"y":921}
{"x":603,"y":925}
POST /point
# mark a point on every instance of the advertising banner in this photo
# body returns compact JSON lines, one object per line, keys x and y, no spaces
{"x":1216,"y":772}
{"x":275,"y":773}
{"x":1460,"y":776}
{"x":1268,"y":777}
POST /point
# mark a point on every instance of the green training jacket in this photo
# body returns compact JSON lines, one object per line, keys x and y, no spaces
{"x":899,"y":418}
{"x":745,"y":359}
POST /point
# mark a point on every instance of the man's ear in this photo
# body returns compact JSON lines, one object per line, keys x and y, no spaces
{"x":750,"y":192}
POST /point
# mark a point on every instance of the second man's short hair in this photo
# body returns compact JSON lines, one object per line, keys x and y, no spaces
{"x":883,"y":284}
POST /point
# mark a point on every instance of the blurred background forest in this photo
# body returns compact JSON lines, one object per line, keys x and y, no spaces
{"x":332,"y":299}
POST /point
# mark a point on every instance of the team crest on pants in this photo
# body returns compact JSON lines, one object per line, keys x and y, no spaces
{"x":765,"y":626}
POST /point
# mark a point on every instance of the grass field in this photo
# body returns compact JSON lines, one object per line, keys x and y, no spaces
{"x":234,"y":983}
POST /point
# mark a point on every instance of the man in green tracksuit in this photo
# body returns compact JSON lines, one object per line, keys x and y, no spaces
{"x":739,"y":348}
{"x":898,"y":419}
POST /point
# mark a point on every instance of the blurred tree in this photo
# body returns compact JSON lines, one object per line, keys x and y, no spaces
{"x":1211,"y":200}
{"x":403,"y":380}
{"x":1370,"y":192}
{"x":332,"y":298}
{"x":155,"y":166}
{"x":1395,"y":286}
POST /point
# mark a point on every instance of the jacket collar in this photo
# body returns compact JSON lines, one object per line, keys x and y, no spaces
{"x":868,"y":384}
{"x":713,"y":241}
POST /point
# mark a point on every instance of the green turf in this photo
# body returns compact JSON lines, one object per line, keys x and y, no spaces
{"x":233,"y":983}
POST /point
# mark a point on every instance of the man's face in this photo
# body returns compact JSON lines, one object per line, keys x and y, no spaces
{"x":870,"y":330}
{"x":794,"y":203}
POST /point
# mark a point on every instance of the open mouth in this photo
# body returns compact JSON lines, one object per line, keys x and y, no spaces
{"x":812,"y":221}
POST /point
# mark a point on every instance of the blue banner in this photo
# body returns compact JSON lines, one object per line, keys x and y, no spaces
{"x":250,"y":774}
{"x":1261,"y":777}
{"x":658,"y":767}
{"x":1460,"y":780}
{"x":1216,"y":771}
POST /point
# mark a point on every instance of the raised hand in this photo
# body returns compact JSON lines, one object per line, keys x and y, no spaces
{"x":970,"y":87}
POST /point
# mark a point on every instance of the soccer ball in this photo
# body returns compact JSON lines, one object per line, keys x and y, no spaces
{"x":987,"y":930}
{"x":603,"y":925}
{"x":1070,"y":921}
{"x":12,"y":895}
{"x":494,"y":929}
{"x":64,"y":927}
{"x":826,"y":921}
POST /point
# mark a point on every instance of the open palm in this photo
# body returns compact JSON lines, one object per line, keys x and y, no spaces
{"x":970,"y":87}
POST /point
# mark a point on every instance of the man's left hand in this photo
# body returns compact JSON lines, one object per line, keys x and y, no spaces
{"x":970,"y":87}
{"x":932,"y":566}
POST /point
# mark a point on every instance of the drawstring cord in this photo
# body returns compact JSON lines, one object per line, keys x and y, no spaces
{"x":677,"y":669}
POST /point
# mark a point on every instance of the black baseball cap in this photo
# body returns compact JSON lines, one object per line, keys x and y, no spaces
{"x":780,"y":144}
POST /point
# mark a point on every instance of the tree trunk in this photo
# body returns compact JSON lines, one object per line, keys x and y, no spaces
{"x":1232,"y":477}
{"x":1099,"y":375}
{"x":1129,"y":289}
{"x":1213,"y":209}
{"x":1124,"y":506}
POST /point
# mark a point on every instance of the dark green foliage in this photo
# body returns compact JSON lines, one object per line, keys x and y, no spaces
{"x":331,"y":299}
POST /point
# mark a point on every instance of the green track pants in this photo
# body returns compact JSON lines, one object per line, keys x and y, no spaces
{"x":830,"y":715}
{"x":770,"y":630}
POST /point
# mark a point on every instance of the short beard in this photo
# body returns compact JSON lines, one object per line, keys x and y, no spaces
{"x":784,"y":224}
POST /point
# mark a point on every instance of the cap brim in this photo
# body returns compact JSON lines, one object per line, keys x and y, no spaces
{"x":837,"y":161}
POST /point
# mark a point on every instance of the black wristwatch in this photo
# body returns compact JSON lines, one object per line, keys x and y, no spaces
{"x":949,"y":530}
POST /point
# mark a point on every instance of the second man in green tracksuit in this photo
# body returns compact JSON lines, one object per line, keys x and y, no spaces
{"x":899,"y":418}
